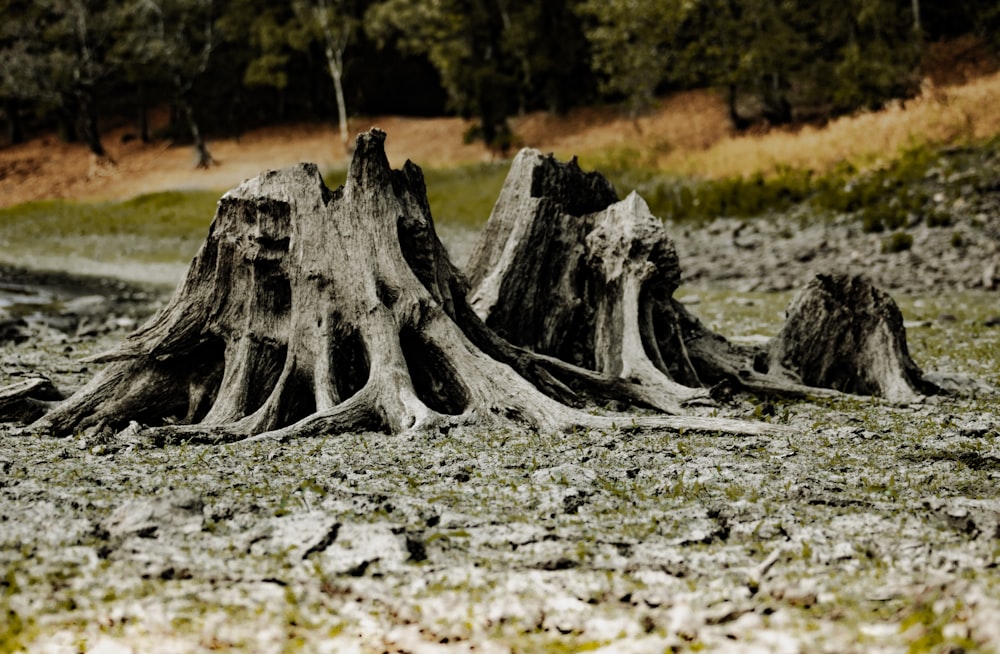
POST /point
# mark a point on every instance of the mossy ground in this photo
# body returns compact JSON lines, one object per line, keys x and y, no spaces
{"x":167,"y":228}
{"x":162,"y":227}
{"x":875,"y":528}
{"x":917,"y":186}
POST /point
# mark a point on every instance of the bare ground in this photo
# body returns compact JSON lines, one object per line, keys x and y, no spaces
{"x":875,"y":529}
{"x":48,"y":168}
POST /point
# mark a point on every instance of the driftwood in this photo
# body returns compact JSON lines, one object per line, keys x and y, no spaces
{"x":309,"y":311}
{"x":28,"y":400}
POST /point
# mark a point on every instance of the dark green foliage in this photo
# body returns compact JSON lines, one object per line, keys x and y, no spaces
{"x":69,"y":64}
{"x":494,"y":58}
{"x":897,"y":242}
{"x":736,"y":196}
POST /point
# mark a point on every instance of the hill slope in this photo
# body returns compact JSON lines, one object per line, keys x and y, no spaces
{"x":687,"y":133}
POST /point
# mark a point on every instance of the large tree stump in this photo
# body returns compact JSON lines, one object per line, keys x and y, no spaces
{"x":565,"y":269}
{"x":311,"y":311}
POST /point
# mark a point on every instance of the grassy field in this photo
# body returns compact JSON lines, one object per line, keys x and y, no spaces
{"x":940,"y":116}
{"x":459,"y":196}
{"x":168,"y":227}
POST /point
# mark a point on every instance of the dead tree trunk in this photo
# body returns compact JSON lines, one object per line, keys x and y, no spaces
{"x":205,"y":159}
{"x":309,"y":311}
{"x":564,"y":269}
{"x":561,"y":266}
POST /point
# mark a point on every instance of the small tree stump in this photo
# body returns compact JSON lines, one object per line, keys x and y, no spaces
{"x":841,"y":332}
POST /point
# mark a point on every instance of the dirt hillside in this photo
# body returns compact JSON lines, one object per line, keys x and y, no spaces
{"x":687,"y":133}
{"x":48,"y":168}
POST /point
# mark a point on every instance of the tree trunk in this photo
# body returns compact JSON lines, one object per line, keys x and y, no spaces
{"x":142,"y":113}
{"x":15,"y":129}
{"x":309,"y":311}
{"x":564,"y":270}
{"x":205,"y":159}
{"x":88,"y":115}
{"x":334,"y":64}
{"x":739,"y":122}
{"x":67,"y":116}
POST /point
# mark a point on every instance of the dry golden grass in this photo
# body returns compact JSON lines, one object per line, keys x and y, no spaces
{"x":689,"y":121}
{"x":939,"y":116}
{"x":685,"y":134}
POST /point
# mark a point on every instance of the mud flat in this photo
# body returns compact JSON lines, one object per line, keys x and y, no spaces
{"x":875,"y":528}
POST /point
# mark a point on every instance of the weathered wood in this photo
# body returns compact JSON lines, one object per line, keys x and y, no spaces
{"x":841,"y":332}
{"x":309,"y":311}
{"x":561,"y":266}
{"x":566,"y":270}
{"x":27,"y":400}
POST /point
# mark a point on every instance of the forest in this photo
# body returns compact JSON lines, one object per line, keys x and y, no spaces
{"x":226,"y":67}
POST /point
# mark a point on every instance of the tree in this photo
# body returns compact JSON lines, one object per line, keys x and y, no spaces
{"x":873,"y":52}
{"x":634,"y":45}
{"x":171,"y":41}
{"x":265,"y":29}
{"x":548,"y":53}
{"x":309,"y":311}
{"x":464,"y":41}
{"x":753,"y":50}
{"x":87,"y":26}
{"x":799,"y":60}
{"x":76,"y":36}
{"x":333,"y":25}
{"x":23,"y":73}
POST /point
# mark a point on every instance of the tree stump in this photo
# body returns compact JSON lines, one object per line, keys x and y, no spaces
{"x":309,"y":311}
{"x":843,"y":333}
{"x":565,"y":269}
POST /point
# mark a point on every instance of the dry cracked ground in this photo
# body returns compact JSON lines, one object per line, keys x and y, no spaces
{"x":876,"y":528}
